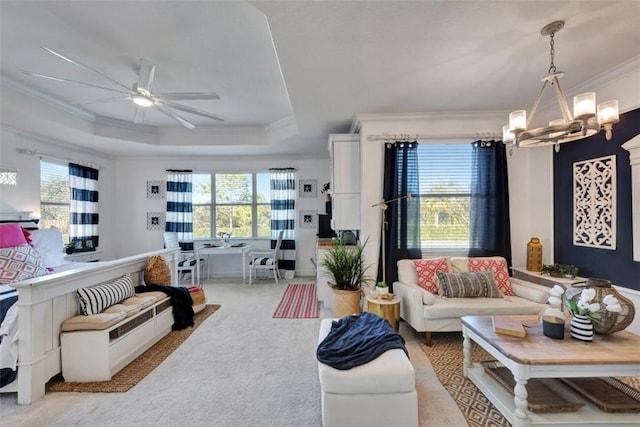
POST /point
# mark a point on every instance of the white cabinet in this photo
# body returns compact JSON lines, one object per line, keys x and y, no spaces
{"x":344,"y":150}
{"x":92,"y":256}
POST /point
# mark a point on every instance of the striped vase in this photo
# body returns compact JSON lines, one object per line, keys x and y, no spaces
{"x":581,"y":328}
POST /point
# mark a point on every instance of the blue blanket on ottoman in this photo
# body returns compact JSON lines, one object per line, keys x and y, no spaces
{"x":356,"y":340}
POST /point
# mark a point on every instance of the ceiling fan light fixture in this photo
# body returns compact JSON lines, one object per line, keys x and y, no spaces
{"x":142,"y":101}
{"x":582,"y":124}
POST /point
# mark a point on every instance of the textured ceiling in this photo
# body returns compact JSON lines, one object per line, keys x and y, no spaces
{"x":290,"y":73}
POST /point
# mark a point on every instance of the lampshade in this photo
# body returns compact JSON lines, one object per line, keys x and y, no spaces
{"x":584,"y":105}
{"x":518,"y":120}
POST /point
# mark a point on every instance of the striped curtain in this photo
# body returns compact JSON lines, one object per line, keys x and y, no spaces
{"x":83,"y":209}
{"x":283,"y":214}
{"x":179,"y":207}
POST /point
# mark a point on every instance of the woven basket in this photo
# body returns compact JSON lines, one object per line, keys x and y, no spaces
{"x":346,"y":303}
{"x":156,"y":271}
{"x":197,"y":295}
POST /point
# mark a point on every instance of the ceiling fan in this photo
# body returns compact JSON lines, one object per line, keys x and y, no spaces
{"x":140,"y":93}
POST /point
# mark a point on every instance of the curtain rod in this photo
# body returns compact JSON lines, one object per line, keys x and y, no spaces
{"x":406,"y":137}
{"x":30,"y":152}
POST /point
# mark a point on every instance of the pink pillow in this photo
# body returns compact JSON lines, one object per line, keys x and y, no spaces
{"x":426,"y":270}
{"x":11,"y":235}
{"x":498,"y":266}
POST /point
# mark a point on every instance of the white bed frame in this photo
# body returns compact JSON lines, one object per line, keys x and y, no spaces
{"x":45,"y":302}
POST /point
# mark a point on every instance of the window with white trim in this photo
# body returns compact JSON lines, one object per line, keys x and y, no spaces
{"x":445,"y":194}
{"x":235,"y":203}
{"x":54,"y":196}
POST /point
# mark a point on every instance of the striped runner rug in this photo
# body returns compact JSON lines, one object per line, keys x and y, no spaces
{"x":298,"y":302}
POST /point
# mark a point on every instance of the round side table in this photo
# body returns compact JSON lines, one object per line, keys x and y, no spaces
{"x":387,"y":309}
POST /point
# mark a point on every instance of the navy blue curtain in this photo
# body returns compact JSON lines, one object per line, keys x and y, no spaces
{"x":179,"y":207}
{"x":402,"y":217}
{"x":490,"y":229}
{"x":283,"y":214}
{"x":83,"y":221}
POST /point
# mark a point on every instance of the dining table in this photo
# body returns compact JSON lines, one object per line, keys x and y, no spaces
{"x":231,"y":249}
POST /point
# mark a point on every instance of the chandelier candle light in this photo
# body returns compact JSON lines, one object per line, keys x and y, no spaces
{"x":384,"y":204}
{"x":584,"y":122}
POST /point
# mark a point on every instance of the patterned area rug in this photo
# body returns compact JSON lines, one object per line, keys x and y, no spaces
{"x":446,"y":357}
{"x":298,"y":302}
{"x":135,"y":371}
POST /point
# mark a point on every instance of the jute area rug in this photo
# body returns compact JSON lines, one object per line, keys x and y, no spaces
{"x":134,"y":372}
{"x":446,"y":357}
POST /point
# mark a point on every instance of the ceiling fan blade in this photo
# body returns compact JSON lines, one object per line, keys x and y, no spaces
{"x":192,"y":110}
{"x":145,"y":75}
{"x":59,"y":79}
{"x":97,"y":101}
{"x":184,"y":96}
{"x":74,"y":62}
{"x":164,"y":110}
{"x":139,"y":115}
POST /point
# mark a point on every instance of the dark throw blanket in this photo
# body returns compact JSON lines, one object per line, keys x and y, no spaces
{"x":356,"y":340}
{"x":181,"y":303}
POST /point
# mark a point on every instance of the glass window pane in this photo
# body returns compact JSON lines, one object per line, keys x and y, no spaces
{"x":54,"y":182}
{"x":263,"y":188}
{"x":56,"y":216}
{"x":201,"y":222}
{"x":445,"y":169}
{"x":201,"y":187}
{"x":264,"y":221}
{"x":234,"y":219}
{"x":234,"y":188}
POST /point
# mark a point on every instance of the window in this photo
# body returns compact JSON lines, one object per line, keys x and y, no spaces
{"x":445,"y":193}
{"x":236,"y":203}
{"x":54,"y":197}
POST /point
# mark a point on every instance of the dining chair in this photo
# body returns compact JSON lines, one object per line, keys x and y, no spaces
{"x":265,"y":260}
{"x":187,"y":262}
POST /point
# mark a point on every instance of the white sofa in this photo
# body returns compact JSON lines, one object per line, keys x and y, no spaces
{"x":428,"y":312}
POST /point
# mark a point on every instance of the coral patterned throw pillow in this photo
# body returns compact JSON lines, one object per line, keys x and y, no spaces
{"x":496,"y":264}
{"x":426,"y":270}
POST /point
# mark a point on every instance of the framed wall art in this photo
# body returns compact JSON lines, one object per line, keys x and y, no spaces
{"x":594,"y":203}
{"x":308,"y":188}
{"x":155,"y":221}
{"x":156,"y":190}
{"x":308,"y":219}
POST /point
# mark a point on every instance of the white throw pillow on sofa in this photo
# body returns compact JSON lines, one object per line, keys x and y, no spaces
{"x":48,"y":243}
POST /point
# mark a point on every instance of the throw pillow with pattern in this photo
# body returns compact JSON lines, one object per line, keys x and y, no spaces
{"x":426,"y":270}
{"x":20,"y":263}
{"x":468,"y":285}
{"x":496,"y":264}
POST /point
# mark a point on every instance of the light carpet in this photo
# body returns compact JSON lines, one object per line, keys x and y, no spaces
{"x":140,"y":367}
{"x":241,"y":367}
{"x":298,"y":302}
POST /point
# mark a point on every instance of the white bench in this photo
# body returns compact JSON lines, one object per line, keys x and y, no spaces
{"x":96,"y":355}
{"x":379,"y":393}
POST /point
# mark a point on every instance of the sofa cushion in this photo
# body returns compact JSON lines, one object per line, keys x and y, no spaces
{"x":94,"y":322}
{"x":407,"y":272}
{"x":128,"y":310}
{"x":454,"y":308}
{"x":143,"y":302}
{"x":499,"y":267}
{"x":468,"y":285}
{"x":426,"y":272}
{"x":95,"y":299}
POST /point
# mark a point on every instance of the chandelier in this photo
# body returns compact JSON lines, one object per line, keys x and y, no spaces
{"x":584,"y":122}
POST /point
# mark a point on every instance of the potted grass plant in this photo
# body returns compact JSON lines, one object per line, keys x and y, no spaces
{"x":347,"y":272}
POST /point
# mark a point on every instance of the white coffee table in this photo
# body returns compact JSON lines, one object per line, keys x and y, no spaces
{"x":537,"y":356}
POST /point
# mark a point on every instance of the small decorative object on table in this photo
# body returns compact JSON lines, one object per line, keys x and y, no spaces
{"x":534,"y":255}
{"x":382,"y":288}
{"x":585,"y":312}
{"x":226,"y":238}
{"x":70,"y":247}
{"x":614,"y":314}
{"x":552,"y":318}
{"x":560,"y":270}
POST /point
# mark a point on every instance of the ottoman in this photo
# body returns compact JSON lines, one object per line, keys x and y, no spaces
{"x":379,"y":393}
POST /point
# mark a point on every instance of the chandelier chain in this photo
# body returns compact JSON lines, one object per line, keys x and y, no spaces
{"x":552,"y":43}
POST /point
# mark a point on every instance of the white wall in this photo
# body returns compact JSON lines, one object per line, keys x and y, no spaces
{"x":131,"y":205}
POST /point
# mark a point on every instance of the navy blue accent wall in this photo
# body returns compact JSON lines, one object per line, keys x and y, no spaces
{"x":615,"y":265}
